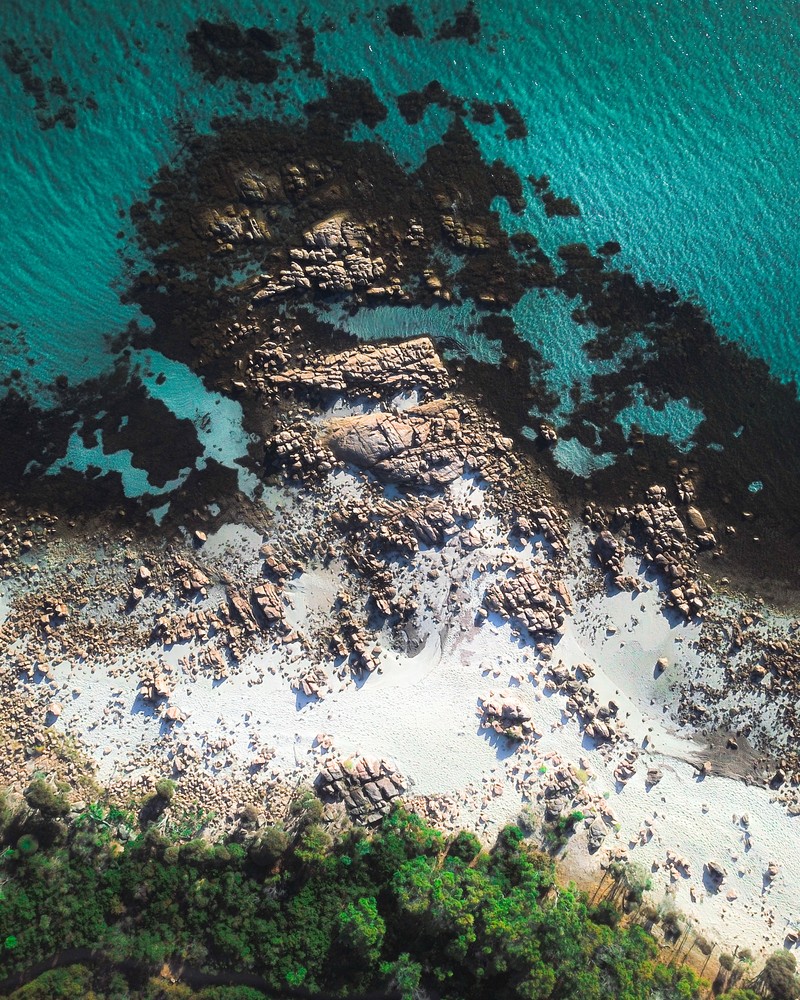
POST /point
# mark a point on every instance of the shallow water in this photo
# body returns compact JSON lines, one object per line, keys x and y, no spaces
{"x":673,"y":126}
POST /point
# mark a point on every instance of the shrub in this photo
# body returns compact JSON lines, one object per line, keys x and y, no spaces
{"x":306,"y":807}
{"x":269,"y":846}
{"x":465,"y":846}
{"x":779,"y":975}
{"x":165,"y":789}
{"x":605,"y":913}
{"x":45,"y":799}
{"x":27,"y":845}
{"x":704,"y":945}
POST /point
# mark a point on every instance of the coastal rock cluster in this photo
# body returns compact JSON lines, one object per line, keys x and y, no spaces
{"x":378,"y":371}
{"x":426,"y":446}
{"x":296,"y":450}
{"x":366,"y":786}
{"x":335,"y":257}
{"x":398,"y":536}
{"x":599,"y":721}
{"x":506,"y":715}
{"x":417,"y":447}
{"x":229,"y":226}
{"x":559,"y":791}
{"x":19,"y":534}
{"x":356,"y":643}
{"x":666,"y":543}
{"x":525,"y":597}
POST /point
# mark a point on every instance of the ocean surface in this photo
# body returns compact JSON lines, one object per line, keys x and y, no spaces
{"x":674,"y":125}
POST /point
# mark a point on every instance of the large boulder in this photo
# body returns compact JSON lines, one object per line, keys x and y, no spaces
{"x":370,"y":369}
{"x":506,"y":715}
{"x":419,"y":446}
{"x":366,"y":785}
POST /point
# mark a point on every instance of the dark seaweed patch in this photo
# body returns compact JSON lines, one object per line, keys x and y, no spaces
{"x":564,"y":207}
{"x":401,"y":21}
{"x":226,"y":50}
{"x":33,"y":438}
{"x":54,"y":102}
{"x":553,"y":205}
{"x":509,"y":186}
{"x":464,"y":24}
{"x":306,"y":38}
{"x":676,"y":352}
{"x":349,"y":100}
{"x":482,"y":112}
{"x":160,"y":443}
{"x":413,"y":104}
{"x":512,"y":117}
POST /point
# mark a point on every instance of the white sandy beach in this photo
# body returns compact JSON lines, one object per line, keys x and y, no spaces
{"x":422,"y":712}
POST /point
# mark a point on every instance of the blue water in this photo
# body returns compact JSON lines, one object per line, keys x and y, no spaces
{"x":674,"y":125}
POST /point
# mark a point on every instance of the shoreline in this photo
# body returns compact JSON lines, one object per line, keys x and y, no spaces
{"x":271,"y":693}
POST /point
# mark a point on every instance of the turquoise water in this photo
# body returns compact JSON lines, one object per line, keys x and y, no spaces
{"x":673,"y":125}
{"x":452,"y":327}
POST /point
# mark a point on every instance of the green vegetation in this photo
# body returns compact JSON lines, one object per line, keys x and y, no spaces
{"x":404,"y":909}
{"x":557,"y":834}
{"x":779,"y":976}
{"x":49,"y":801}
{"x":165,"y":789}
{"x":77,"y":982}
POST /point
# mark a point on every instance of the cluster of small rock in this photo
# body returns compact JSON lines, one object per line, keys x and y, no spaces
{"x":626,"y":767}
{"x":335,"y":257}
{"x":667,"y":546}
{"x":190,"y":577}
{"x":267,"y":598}
{"x":675,"y":866}
{"x":506,"y":715}
{"x":559,"y":791}
{"x":377,"y":529}
{"x":296,"y":449}
{"x":383,"y":525}
{"x":366,"y":786}
{"x":546,"y":520}
{"x":355,"y":642}
{"x":599,"y":721}
{"x":312,"y":682}
{"x":465,"y":235}
{"x":155,"y":685}
{"x":171,"y":626}
{"x":379,"y":371}
{"x":19,"y":535}
{"x":442,"y":811}
{"x":243,"y":615}
{"x":231,"y":225}
{"x":533,"y":602}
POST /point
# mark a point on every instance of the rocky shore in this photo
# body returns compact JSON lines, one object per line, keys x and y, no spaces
{"x":409,"y":612}
{"x":415,"y":601}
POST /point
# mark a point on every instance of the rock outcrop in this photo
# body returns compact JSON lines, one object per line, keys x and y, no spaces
{"x":420,"y":446}
{"x":716,"y":873}
{"x":666,"y":543}
{"x":540,"y":606}
{"x":335,"y":257}
{"x":366,"y":786}
{"x":267,"y":598}
{"x":506,"y":715}
{"x":375,"y":370}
